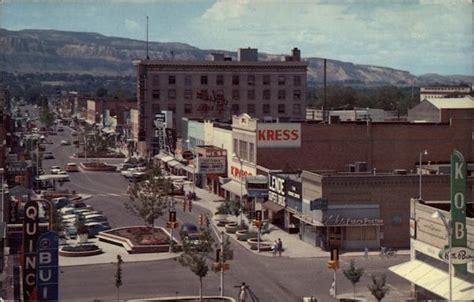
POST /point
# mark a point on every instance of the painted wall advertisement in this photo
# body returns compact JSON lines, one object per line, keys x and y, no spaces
{"x":276,"y":189}
{"x":279,"y":135}
{"x":212,"y":165}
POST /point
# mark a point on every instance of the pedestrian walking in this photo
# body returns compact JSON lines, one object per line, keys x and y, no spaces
{"x":280,"y":246}
{"x":243,"y":293}
{"x":274,"y":248}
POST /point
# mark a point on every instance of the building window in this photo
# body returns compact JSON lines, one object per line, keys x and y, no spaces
{"x":266,"y":80}
{"x":236,"y":146}
{"x":296,"y":95}
{"x":281,"y":94}
{"x":250,"y":108}
{"x":235,"y":108}
{"x":155,"y":80}
{"x":297,"y":108}
{"x":204,"y":80}
{"x":297,"y":80}
{"x":188,"y":94}
{"x":172,"y":80}
{"x":235,"y":80}
{"x":266,"y":94}
{"x":251,"y":94}
{"x":202,"y":95}
{"x":243,"y":150}
{"x":266,"y":108}
{"x":251,"y":152}
{"x":172,"y":107}
{"x":235,"y":95}
{"x":172,"y":94}
{"x":281,"y":80}
{"x":188,"y":81}
{"x":155,"y":94}
{"x":188,"y":108}
{"x":251,"y":80}
{"x":220,"y":79}
{"x":281,"y":108}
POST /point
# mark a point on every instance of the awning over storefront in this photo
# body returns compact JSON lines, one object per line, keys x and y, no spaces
{"x":188,"y":169}
{"x":108,"y":130}
{"x":174,"y":163}
{"x":235,"y":188}
{"x":274,"y":207}
{"x":167,"y":158}
{"x":435,"y":280}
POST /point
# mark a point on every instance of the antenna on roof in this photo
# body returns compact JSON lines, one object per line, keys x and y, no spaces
{"x":147,"y":57}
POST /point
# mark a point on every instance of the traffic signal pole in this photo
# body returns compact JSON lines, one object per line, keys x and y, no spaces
{"x":220,"y":237}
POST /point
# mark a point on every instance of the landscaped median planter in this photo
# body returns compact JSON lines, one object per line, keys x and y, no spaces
{"x":264,"y":245}
{"x":100,"y":155}
{"x":221,"y":219}
{"x":242,"y":235}
{"x":231,"y":227}
{"x":80,"y":250}
{"x":97,"y":166}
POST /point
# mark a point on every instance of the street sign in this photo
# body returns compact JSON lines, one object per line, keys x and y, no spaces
{"x":459,"y":255}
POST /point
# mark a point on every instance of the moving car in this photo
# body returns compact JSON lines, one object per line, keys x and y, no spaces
{"x":55,"y":169}
{"x":94,"y":228}
{"x":48,"y":155}
{"x":60,"y":129}
{"x":65,"y":142}
{"x":191,"y":232}
{"x":74,"y":133}
{"x":71,"y":167}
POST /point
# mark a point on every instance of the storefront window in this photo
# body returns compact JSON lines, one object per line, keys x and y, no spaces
{"x":361,"y":233}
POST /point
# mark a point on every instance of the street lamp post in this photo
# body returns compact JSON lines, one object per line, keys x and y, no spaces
{"x":2,"y":172}
{"x":194,"y":169}
{"x":425,"y":152}
{"x":234,"y":155}
{"x":438,"y":215}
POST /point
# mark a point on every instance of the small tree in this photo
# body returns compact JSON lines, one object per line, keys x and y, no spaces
{"x":58,"y":222}
{"x":118,"y":276}
{"x":195,"y":255}
{"x":81,"y":227}
{"x":149,"y":198}
{"x":377,"y":288}
{"x":46,"y":116}
{"x":353,"y":274}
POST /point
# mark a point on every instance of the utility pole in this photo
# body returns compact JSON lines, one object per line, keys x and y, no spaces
{"x":220,"y":237}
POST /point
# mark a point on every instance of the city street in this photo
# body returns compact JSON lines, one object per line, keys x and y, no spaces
{"x":271,"y":279}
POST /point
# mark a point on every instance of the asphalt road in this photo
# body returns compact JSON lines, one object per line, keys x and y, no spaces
{"x":271,"y":279}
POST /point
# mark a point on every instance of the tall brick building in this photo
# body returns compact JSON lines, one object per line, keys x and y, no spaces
{"x":218,"y":89}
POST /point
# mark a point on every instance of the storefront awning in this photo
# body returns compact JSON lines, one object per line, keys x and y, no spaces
{"x":434,"y":280}
{"x":174,"y":163}
{"x":167,"y":158}
{"x":188,"y":169}
{"x":274,"y":207}
{"x":235,"y":188}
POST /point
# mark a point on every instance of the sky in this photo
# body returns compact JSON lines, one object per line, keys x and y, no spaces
{"x":420,"y":36}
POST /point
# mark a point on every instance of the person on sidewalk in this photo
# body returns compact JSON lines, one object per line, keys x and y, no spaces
{"x":279,"y":246}
{"x":274,"y":248}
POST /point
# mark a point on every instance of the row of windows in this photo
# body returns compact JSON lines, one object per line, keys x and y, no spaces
{"x":219,"y":94}
{"x":244,"y":150}
{"x":235,"y":108}
{"x":235,"y":80}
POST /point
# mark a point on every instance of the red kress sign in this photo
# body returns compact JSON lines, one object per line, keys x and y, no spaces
{"x":279,"y":135}
{"x":239,"y":173}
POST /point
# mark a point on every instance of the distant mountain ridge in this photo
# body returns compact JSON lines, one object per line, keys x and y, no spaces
{"x":51,"y":51}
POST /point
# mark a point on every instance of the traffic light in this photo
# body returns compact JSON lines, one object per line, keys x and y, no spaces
{"x":201,"y":219}
{"x":258,"y":215}
{"x":332,"y":264}
{"x":172,"y":216}
{"x":207,"y":222}
{"x":258,"y":223}
{"x":184,"y":205}
{"x":168,"y":225}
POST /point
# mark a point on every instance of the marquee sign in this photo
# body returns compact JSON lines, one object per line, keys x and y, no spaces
{"x":458,"y":204}
{"x":278,"y":135}
{"x":47,"y":278}
{"x":212,"y":165}
{"x":30,"y":238}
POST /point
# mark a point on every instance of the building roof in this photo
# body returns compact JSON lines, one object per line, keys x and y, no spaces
{"x":453,"y":103}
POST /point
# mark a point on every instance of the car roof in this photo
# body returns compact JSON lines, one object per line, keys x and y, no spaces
{"x":189,"y":226}
{"x":71,"y":164}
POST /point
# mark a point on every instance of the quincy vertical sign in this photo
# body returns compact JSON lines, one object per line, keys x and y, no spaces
{"x":30,"y":238}
{"x":458,"y":203}
{"x":47,"y":272}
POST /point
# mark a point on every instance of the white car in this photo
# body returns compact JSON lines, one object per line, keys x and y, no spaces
{"x":65,"y":142}
{"x":55,"y":169}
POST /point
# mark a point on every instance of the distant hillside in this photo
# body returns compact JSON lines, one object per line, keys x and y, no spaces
{"x":49,"y":51}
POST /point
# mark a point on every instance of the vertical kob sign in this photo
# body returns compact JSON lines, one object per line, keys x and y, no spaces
{"x":458,"y":203}
{"x":30,"y":239}
{"x":47,"y":275}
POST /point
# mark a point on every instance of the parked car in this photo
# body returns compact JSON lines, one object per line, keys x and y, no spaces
{"x":60,"y":202}
{"x":48,"y":155}
{"x":94,"y":218}
{"x":93,"y":229}
{"x":60,"y":129}
{"x":71,"y":232}
{"x":74,"y":133}
{"x":71,"y":167}
{"x":55,"y":169}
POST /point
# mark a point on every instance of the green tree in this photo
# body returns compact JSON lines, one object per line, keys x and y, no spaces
{"x":58,"y":222}
{"x":149,"y":198}
{"x":118,"y":276}
{"x":353,"y":274}
{"x":46,"y":116}
{"x":196,"y":254}
{"x":377,"y":288}
{"x":101,"y":92}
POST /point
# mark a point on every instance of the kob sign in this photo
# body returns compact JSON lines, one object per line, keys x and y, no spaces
{"x":279,"y":135}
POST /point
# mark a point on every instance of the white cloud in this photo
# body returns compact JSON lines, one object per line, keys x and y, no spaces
{"x":132,"y":25}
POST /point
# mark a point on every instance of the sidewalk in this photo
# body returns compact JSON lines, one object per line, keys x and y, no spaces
{"x":293,"y":246}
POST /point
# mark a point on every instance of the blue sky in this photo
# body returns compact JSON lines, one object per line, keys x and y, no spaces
{"x":421,"y":36}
